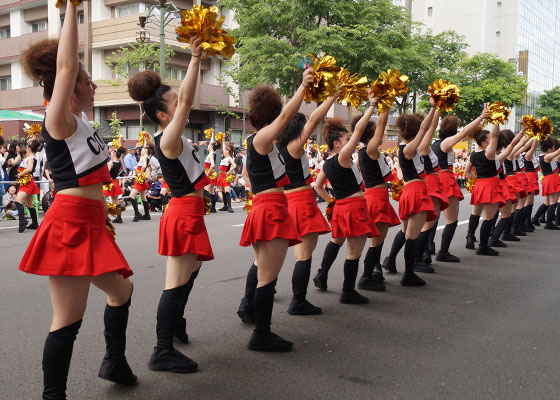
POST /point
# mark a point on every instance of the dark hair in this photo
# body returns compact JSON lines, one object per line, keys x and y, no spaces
{"x":312,"y":151}
{"x":265,"y":105}
{"x":293,"y":130}
{"x":151,"y":148}
{"x":12,"y":147}
{"x":195,"y":147}
{"x":120,"y":151}
{"x":39,"y":63}
{"x":332,"y":130}
{"x":502,"y":141}
{"x":481,"y":136}
{"x":2,"y":141}
{"x":409,"y":125}
{"x":508,"y":135}
{"x":215,"y":146}
{"x":148,"y":88}
{"x":448,"y":126}
{"x":35,"y":145}
{"x":231,"y":149}
{"x":368,"y":133}
{"x":547,"y":144}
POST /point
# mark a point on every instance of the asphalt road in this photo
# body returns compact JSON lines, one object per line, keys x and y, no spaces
{"x":486,"y":328}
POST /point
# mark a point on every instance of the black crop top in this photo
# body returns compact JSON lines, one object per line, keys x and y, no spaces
{"x":411,"y":169}
{"x":265,"y":172}
{"x":485,"y":168}
{"x":296,"y":168}
{"x":531,"y":166}
{"x":345,"y":181}
{"x":445,"y":160}
{"x":508,"y":165}
{"x":115,"y":169}
{"x":547,"y":168}
{"x":431,"y":163}
{"x":374,"y":172}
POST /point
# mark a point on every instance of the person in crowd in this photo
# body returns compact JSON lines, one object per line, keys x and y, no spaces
{"x":130,"y":160}
{"x":210,"y":169}
{"x":9,"y":209}
{"x":13,"y":160}
{"x":226,"y":168}
{"x":531,"y":162}
{"x":550,"y":187}
{"x":114,"y":190}
{"x":27,"y":187}
{"x":141,"y":186}
{"x":155,"y":166}
{"x":154,"y":193}
{"x":72,"y":245}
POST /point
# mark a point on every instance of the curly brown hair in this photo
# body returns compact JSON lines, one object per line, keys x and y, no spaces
{"x":368,"y":133}
{"x":265,"y":105}
{"x":332,"y":130}
{"x":448,"y":126}
{"x":409,"y":125}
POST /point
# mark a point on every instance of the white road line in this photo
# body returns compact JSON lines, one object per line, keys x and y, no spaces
{"x":440,"y":227}
{"x":239,"y":225}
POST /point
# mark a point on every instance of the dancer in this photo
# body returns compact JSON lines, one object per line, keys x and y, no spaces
{"x":210,"y":169}
{"x":302,"y":205}
{"x":519,"y":227}
{"x":268,"y":227}
{"x":531,"y":164}
{"x":72,"y":245}
{"x":350,"y":219}
{"x":182,"y":235}
{"x":114,"y":190}
{"x":227,"y":165}
{"x":550,"y":184}
{"x":486,"y":195}
{"x":513,"y":182}
{"x":27,"y":187}
{"x":376,"y":173}
{"x":443,"y":147}
{"x":141,"y":187}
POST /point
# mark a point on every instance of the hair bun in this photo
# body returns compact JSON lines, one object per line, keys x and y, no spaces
{"x":143,"y":85}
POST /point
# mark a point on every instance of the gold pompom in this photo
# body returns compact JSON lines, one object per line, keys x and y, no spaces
{"x":143,"y":138}
{"x":245,"y":144}
{"x":249,"y":203}
{"x":230,"y":178}
{"x":110,"y":227}
{"x":324,"y":80}
{"x":323,"y":148}
{"x":445,"y":94}
{"x":1,"y":129}
{"x":108,"y":187}
{"x":208,"y":133}
{"x":355,"y":89}
{"x":117,"y":142}
{"x":388,"y":86}
{"x":141,"y":178}
{"x":499,"y":114}
{"x":531,"y":124}
{"x":396,"y":189}
{"x":204,"y":22}
{"x":206,"y":205}
{"x":220,"y":136}
{"x":33,"y":130}
{"x":23,"y":179}
{"x":545,"y":129}
{"x":75,"y":2}
{"x":211,"y":175}
{"x":329,"y":209}
{"x":114,"y":209}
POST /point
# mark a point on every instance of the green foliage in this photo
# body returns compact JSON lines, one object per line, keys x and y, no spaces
{"x":549,"y":106}
{"x":136,"y":57}
{"x":115,"y":124}
{"x":95,"y":125}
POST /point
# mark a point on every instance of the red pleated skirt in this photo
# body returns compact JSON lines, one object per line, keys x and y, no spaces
{"x":380,"y":208}
{"x":533,"y":182}
{"x":449,"y":186}
{"x":507,"y":194}
{"x":269,"y":219}
{"x":221,"y":180}
{"x":515,"y":186}
{"x":550,"y":184}
{"x":488,"y":190}
{"x":73,"y":240}
{"x":415,"y":199}
{"x":141,"y":187}
{"x":115,"y":191}
{"x":307,"y":217}
{"x":524,"y":182}
{"x":182,"y":229}
{"x":350,"y":218}
{"x":31,"y":188}
{"x":433,"y":182}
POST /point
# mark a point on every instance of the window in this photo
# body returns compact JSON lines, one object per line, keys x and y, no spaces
{"x":176,"y":73}
{"x":498,"y":33}
{"x":39,"y":26}
{"x":6,"y":83}
{"x":430,"y":11}
{"x":128,"y":9}
{"x":81,"y":17}
{"x":4,"y":33}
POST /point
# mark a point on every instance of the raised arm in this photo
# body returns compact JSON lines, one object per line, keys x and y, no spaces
{"x":448,"y":143}
{"x":345,"y":155}
{"x":515,"y":141}
{"x":490,"y":151}
{"x":170,"y":143}
{"x":267,"y":135}
{"x":424,"y":147}
{"x":295,"y":147}
{"x":549,"y":157}
{"x":60,"y":122}
{"x":531,"y":151}
{"x":412,"y":146}
{"x":522,"y":146}
{"x":377,"y":138}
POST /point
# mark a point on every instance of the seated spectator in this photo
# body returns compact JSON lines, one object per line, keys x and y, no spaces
{"x":9,"y":210}
{"x":154,"y":195}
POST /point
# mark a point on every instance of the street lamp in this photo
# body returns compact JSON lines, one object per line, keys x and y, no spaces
{"x":161,"y":14}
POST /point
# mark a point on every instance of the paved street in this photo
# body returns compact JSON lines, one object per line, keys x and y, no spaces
{"x":486,"y":328}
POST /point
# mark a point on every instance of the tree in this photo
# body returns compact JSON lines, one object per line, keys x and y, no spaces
{"x":549,"y":106}
{"x":115,"y":124}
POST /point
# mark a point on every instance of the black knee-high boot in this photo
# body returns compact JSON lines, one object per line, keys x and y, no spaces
{"x":146,"y":215}
{"x":372,"y":279}
{"x":349,"y":294}
{"x":245,"y":311}
{"x":180,"y":331}
{"x":528,"y":214}
{"x":34,"y":223}
{"x":262,"y":338}
{"x":540,"y":212}
{"x":483,"y":248}
{"x":165,"y":357}
{"x":550,"y":218}
{"x":331,"y":251}
{"x":390,"y":261}
{"x":114,"y":367}
{"x":473,"y":224}
{"x":557,"y":219}
{"x":229,"y":209}
{"x":431,"y":239}
{"x":213,"y":203}
{"x":421,"y":248}
{"x":446,"y":238}
{"x":410,"y":278}
{"x":300,"y":280}
{"x":21,"y":217}
{"x":517,"y":218}
{"x":507,"y":236}
{"x":497,"y":232}
{"x":137,"y":215}
{"x":225,"y":197}
{"x":57,"y":355}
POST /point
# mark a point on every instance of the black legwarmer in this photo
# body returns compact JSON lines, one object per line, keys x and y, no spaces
{"x":300,"y":279}
{"x":331,"y":251}
{"x":373,"y":258}
{"x":397,"y":245}
{"x":447,"y":236}
{"x":409,"y":255}
{"x":263,"y":303}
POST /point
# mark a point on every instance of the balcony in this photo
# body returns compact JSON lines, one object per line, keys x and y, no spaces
{"x":22,"y":99}
{"x":14,"y":46}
